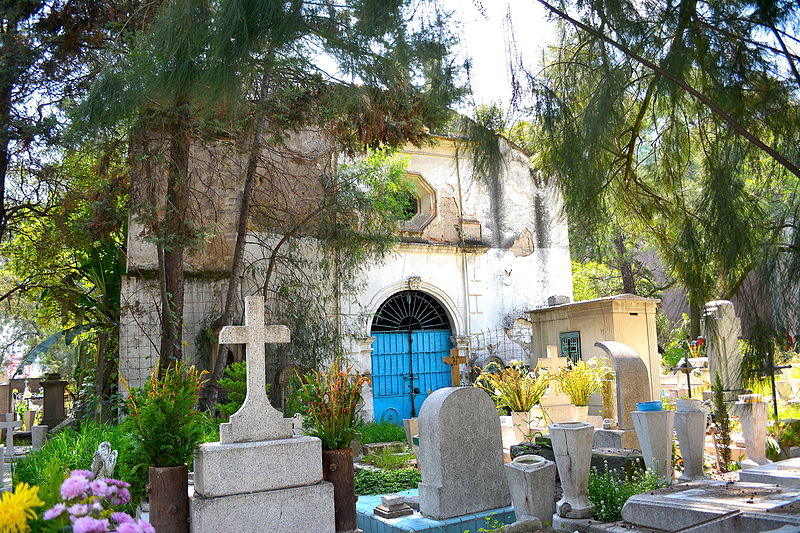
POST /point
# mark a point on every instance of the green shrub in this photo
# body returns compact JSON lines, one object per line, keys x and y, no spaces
{"x":72,"y":449}
{"x":235,"y":384}
{"x":386,"y":481}
{"x":381,"y":432}
{"x":608,"y":492}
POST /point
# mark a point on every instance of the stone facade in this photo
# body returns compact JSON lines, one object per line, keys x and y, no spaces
{"x":486,"y":248}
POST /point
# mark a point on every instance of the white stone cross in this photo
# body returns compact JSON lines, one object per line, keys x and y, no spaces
{"x":9,"y":426}
{"x":256,"y":420}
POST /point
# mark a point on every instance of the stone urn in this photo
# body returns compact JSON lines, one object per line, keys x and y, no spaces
{"x":531,"y":480}
{"x":572,"y":447}
{"x":753,"y":417}
{"x":690,"y":426}
{"x":688,"y":404}
{"x":168,"y":488}
{"x":521,"y":420}
{"x":337,"y":468}
{"x":654,"y":430}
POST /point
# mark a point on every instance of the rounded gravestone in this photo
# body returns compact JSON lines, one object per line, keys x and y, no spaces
{"x":460,"y":454}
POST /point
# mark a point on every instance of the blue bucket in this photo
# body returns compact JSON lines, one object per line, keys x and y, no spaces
{"x":649,"y":406}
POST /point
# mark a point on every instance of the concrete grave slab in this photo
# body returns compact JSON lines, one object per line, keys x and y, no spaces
{"x":783,"y":473}
{"x":686,"y":505}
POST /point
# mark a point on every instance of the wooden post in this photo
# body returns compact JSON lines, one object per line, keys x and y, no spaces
{"x":454,"y":359}
{"x":169,"y":499}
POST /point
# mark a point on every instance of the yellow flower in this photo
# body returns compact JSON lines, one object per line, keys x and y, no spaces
{"x":17,"y":507}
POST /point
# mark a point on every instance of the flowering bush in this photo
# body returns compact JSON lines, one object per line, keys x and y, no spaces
{"x":86,"y":506}
{"x":17,"y":507}
{"x":609,"y":490}
{"x":579,"y":380}
{"x":514,"y":387}
{"x":331,"y":400}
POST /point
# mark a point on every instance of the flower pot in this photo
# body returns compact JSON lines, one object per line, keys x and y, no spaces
{"x":168,"y":488}
{"x":337,"y":468}
{"x":572,"y":447}
{"x":581,"y":413}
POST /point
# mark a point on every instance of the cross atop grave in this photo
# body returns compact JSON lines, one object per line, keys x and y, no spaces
{"x":256,"y":420}
{"x":454,"y":360}
{"x":9,"y":424}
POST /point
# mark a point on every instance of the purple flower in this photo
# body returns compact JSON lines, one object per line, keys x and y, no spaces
{"x":121,"y":497}
{"x":122,"y":518}
{"x":78,"y":509}
{"x":74,"y":487}
{"x":129,"y":527}
{"x":116,"y":482}
{"x":146,"y":527}
{"x":55,"y":511}
{"x":82,"y":473}
{"x":87,"y":524}
{"x":100,"y":488}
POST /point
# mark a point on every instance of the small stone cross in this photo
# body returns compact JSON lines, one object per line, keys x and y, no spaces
{"x":9,"y":426}
{"x":256,"y":420}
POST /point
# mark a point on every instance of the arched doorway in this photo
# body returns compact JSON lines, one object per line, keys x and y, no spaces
{"x":412,"y":337}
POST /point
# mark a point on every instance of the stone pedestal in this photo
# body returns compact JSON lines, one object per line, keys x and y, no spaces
{"x":690,"y":425}
{"x":753,"y":417}
{"x":38,"y":437}
{"x":572,"y":447}
{"x":531,"y":480}
{"x":53,"y":412}
{"x":654,"y":429}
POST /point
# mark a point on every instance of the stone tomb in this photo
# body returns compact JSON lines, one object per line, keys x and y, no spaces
{"x":460,"y":454}
{"x":632,"y":387}
{"x":259,"y":478}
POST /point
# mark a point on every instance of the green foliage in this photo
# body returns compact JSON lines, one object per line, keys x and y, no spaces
{"x":331,"y":398}
{"x":162,"y":419}
{"x":235,"y":383}
{"x":369,"y":482}
{"x":722,"y":420}
{"x":591,"y":279}
{"x":389,"y":460}
{"x":580,"y":380}
{"x":514,"y":387}
{"x":73,"y":449}
{"x":608,"y":492}
{"x":381,"y":432}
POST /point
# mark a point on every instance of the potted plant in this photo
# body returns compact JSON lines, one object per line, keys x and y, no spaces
{"x":331,"y":398}
{"x":166,"y":429}
{"x":515,"y":388}
{"x":580,"y":380}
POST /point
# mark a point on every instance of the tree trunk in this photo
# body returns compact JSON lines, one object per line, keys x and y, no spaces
{"x":174,"y":240}
{"x":101,"y":378}
{"x":694,"y":319}
{"x":6,"y":89}
{"x":210,"y":392}
{"x":624,"y":265}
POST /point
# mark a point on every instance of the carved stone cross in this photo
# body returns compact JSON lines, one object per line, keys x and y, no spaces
{"x":256,"y":420}
{"x":9,"y":424}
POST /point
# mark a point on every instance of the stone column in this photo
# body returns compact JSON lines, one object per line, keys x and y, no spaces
{"x":53,"y":412}
{"x":531,"y":480}
{"x":753,"y":417}
{"x":654,"y":430}
{"x":572,"y":447}
{"x":690,"y":425}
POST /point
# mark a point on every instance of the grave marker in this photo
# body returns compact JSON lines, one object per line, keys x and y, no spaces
{"x":9,"y":426}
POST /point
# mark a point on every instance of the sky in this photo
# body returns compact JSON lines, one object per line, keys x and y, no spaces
{"x":484,"y":38}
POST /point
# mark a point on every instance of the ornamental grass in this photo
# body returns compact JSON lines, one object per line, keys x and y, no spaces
{"x":580,"y":380}
{"x":331,"y":398}
{"x":514,"y":387}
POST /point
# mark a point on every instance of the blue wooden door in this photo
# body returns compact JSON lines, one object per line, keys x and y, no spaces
{"x":406,"y":367}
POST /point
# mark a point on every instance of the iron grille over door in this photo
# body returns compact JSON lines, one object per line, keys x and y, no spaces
{"x":412,"y":337}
